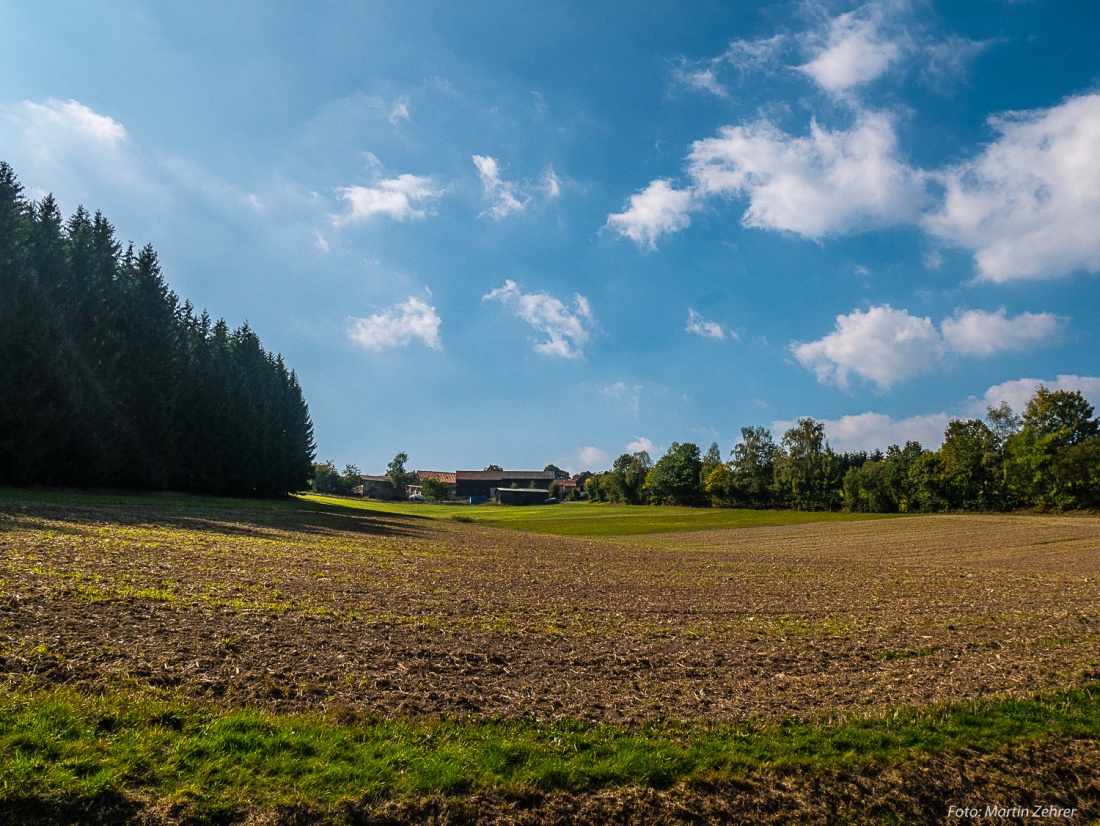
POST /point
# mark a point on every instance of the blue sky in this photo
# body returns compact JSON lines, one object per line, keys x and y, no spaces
{"x":528,"y":233}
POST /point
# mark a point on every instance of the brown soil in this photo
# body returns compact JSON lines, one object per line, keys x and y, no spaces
{"x":400,"y":615}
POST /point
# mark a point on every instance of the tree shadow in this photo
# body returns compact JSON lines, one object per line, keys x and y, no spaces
{"x":104,"y":808}
{"x":264,"y":519}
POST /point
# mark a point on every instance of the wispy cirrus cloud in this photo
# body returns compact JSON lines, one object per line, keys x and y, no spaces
{"x":501,"y":194}
{"x":622,"y":392}
{"x":885,"y":346}
{"x":699,"y":326}
{"x":400,"y":110}
{"x":567,"y":330}
{"x":73,"y":150}
{"x":398,"y":326}
{"x":59,"y":121}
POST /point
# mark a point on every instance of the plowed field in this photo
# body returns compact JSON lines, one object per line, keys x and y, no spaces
{"x":395,"y":614}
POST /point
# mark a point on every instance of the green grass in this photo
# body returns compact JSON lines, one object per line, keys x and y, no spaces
{"x":585,"y":519}
{"x":567,"y":519}
{"x":59,"y":743}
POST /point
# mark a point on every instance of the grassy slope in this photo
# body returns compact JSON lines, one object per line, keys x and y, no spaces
{"x":61,"y":744}
{"x":567,"y":519}
{"x":584,"y":519}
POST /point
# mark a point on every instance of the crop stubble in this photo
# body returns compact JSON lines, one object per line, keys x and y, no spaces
{"x":294,"y":609}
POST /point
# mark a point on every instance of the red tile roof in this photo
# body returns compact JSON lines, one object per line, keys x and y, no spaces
{"x":437,"y":475}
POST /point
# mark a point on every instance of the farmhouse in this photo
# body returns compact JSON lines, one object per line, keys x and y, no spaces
{"x":423,"y":475}
{"x":379,"y":487}
{"x":483,"y":484}
{"x":521,"y":496}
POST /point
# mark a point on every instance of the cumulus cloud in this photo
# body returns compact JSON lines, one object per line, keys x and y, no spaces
{"x":1029,"y":205}
{"x":980,"y":333}
{"x":842,"y":54}
{"x":877,"y":431}
{"x":823,"y":183}
{"x":404,"y":198}
{"x":831,"y":181}
{"x":657,"y":210}
{"x":885,"y":346}
{"x":501,"y":193}
{"x":1019,"y":391}
{"x":697,"y":325}
{"x":592,"y":458}
{"x":398,"y":326}
{"x":881,"y":344}
{"x":641,"y":443}
{"x":568,"y":330}
{"x":856,"y":50}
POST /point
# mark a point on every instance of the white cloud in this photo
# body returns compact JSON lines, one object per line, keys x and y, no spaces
{"x":568,"y":330}
{"x":592,"y":458}
{"x":621,"y":391}
{"x":824,"y":183}
{"x":885,"y":346}
{"x":398,"y":326}
{"x":404,"y":198}
{"x":322,"y":243}
{"x":882,"y":345}
{"x":877,"y":431}
{"x":855,"y":52}
{"x":399,"y":111}
{"x":1029,"y":205}
{"x":655,"y":211}
{"x":981,"y":334}
{"x":56,"y":120}
{"x":1019,"y":392}
{"x":756,"y":55}
{"x":700,"y":326}
{"x":701,"y":79}
{"x":945,"y":61}
{"x":551,"y":184}
{"x":79,"y":154}
{"x":641,"y":443}
{"x":501,"y":193}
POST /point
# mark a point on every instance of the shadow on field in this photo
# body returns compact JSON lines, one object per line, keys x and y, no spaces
{"x":253,"y":523}
{"x":102,"y":808}
{"x":264,"y":520}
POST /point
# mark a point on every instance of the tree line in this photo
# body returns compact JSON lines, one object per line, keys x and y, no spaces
{"x":1047,"y":458}
{"x":110,"y":381}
